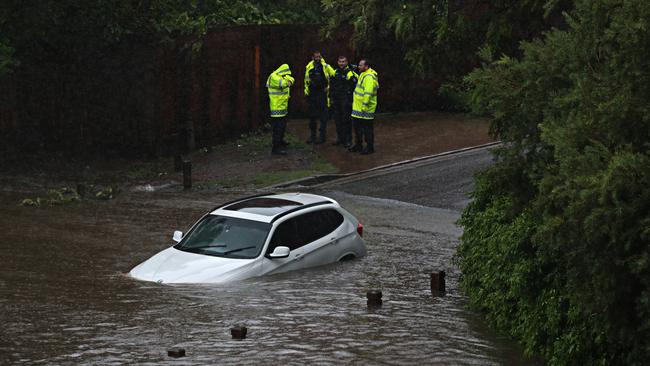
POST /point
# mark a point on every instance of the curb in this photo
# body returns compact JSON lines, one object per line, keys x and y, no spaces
{"x":318,"y":180}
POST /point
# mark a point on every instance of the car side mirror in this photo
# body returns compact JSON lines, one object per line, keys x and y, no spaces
{"x":280,"y":252}
{"x":178,"y":236}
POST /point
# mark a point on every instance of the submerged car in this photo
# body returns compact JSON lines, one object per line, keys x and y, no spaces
{"x":255,"y":236}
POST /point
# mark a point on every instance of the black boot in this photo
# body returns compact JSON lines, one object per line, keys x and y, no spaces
{"x":278,"y":151}
{"x":322,"y":139}
{"x":355,"y":148}
{"x":369,"y":149}
{"x":312,"y":138}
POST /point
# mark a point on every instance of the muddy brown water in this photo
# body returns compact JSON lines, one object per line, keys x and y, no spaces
{"x":64,"y":298}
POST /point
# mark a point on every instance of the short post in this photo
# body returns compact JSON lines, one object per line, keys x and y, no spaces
{"x":187,"y":174}
{"x":238,"y":332}
{"x":374,"y":299}
{"x":438,"y":283}
{"x":176,"y":352}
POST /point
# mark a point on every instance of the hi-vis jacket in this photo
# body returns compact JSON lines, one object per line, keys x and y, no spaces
{"x":278,"y":85}
{"x":364,"y":102}
{"x":327,"y":70}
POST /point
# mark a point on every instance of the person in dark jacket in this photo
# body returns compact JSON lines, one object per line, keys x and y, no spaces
{"x":342,"y":86}
{"x":317,"y":78}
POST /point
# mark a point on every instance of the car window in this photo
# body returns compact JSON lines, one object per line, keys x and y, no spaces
{"x":223,"y":236}
{"x":285,"y":235}
{"x":317,"y":224}
{"x":334,"y":220}
{"x":304,"y":229}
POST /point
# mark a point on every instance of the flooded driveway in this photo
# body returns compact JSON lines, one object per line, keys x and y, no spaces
{"x":65,"y":300}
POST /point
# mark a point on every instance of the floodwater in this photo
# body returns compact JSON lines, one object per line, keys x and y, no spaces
{"x":64,"y":298}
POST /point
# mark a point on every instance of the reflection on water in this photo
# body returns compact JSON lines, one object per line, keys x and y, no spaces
{"x":64,"y":299}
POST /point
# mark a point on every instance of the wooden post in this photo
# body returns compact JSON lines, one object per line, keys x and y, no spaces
{"x":187,"y":174}
{"x":438,"y":283}
{"x":176,"y":352}
{"x":374,"y":298}
{"x":238,"y":332}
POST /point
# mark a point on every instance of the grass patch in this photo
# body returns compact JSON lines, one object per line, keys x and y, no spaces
{"x":261,"y":140}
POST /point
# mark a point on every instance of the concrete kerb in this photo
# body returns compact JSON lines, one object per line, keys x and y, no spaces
{"x":332,"y":179}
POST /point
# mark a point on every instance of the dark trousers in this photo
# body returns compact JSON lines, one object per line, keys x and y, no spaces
{"x":342,"y":111}
{"x":364,"y":130}
{"x":318,"y":111}
{"x":279,"y":125}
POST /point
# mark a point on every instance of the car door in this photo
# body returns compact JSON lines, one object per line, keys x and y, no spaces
{"x":285,"y":234}
{"x":319,"y":229}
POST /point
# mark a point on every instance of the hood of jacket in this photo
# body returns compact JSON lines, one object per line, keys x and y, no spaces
{"x":283,"y":70}
{"x":370,"y":71}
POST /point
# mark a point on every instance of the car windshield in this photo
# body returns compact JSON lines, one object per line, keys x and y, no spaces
{"x":223,"y":236}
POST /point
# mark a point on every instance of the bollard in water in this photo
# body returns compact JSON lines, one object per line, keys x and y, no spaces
{"x":176,"y":352}
{"x":187,"y":174}
{"x":238,"y":332}
{"x":374,"y":298}
{"x":438,"y":283}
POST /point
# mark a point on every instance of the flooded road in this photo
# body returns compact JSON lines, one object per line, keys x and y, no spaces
{"x":65,"y":300}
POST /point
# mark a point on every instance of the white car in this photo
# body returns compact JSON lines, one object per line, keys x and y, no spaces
{"x":256,"y":236}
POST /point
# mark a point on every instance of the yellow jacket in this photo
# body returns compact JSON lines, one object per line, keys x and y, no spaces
{"x":364,"y":101}
{"x":327,"y":70}
{"x":278,"y":85}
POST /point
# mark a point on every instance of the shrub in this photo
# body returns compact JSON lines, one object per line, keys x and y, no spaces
{"x":556,"y":245}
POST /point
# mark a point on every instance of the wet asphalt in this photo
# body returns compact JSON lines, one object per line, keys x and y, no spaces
{"x":445,"y":182}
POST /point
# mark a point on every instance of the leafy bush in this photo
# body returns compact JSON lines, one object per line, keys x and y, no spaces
{"x":556,"y":243}
{"x":453,"y":97}
{"x":61,"y":196}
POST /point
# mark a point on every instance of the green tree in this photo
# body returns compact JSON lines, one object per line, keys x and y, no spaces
{"x":556,"y":247}
{"x":439,"y":36}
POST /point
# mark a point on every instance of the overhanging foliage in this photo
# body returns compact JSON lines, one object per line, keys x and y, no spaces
{"x":556,"y":248}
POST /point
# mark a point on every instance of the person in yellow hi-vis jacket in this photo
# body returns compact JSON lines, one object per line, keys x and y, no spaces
{"x":364,"y":104}
{"x":278,"y":85}
{"x":317,"y":81}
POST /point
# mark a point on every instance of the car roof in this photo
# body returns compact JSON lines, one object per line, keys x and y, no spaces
{"x":270,"y":207}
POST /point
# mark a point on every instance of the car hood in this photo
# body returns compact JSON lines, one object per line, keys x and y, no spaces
{"x":176,"y":266}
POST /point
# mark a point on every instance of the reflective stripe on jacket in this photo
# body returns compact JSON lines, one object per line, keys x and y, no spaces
{"x":278,"y":85}
{"x":364,"y":101}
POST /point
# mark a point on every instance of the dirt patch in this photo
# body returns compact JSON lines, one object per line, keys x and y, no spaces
{"x":246,"y":163}
{"x":403,"y":136}
{"x":243,"y":163}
